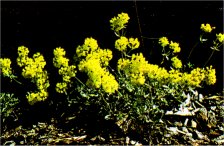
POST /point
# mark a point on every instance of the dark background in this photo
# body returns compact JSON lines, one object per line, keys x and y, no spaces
{"x":43,"y":26}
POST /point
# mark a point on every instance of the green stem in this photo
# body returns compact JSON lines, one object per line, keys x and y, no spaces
{"x":192,"y":50}
{"x":80,"y":81}
{"x":17,"y":81}
{"x":113,"y":70}
{"x":139,"y":26}
{"x":106,"y":102}
{"x":209,"y":58}
{"x":163,"y":50}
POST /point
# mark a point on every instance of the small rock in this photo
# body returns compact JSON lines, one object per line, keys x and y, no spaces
{"x":184,"y":129}
{"x":132,"y":142}
{"x":127,"y":141}
{"x":193,"y":124}
{"x":173,"y":130}
{"x":178,"y":124}
{"x":201,"y":98}
{"x":213,"y":108}
{"x":201,"y":136}
{"x":186,"y":121}
{"x":167,"y":135}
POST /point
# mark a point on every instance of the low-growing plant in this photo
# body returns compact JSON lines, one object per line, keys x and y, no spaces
{"x":136,"y":94}
{"x":8,"y":103}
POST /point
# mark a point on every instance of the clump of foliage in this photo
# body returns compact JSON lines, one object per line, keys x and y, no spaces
{"x":8,"y":104}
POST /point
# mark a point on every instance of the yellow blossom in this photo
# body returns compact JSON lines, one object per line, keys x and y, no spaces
{"x":220,"y":37}
{"x":33,"y":68}
{"x":5,"y":66}
{"x":92,"y":43}
{"x":61,"y":87}
{"x":122,"y":63}
{"x":175,"y":47}
{"x":163,"y":41}
{"x":121,"y":44}
{"x":207,"y":28}
{"x":133,"y":43}
{"x":119,"y":22}
{"x":176,"y":62}
{"x":210,"y":76}
{"x":59,"y":59}
{"x":197,"y":75}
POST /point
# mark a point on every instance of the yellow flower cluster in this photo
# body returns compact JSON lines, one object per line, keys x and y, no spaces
{"x":95,"y":66}
{"x":33,"y":68}
{"x":5,"y":67}
{"x":176,"y":62}
{"x":122,"y":43}
{"x":157,"y":73}
{"x":175,"y":47}
{"x":135,"y":68}
{"x":163,"y":41}
{"x":35,"y":97}
{"x":90,"y":45}
{"x":103,"y":55}
{"x":133,"y":43}
{"x":175,"y":76}
{"x":220,"y":37}
{"x":59,"y":59}
{"x":119,"y":22}
{"x":65,"y":70}
{"x":207,"y":28}
{"x":195,"y":77}
{"x":210,"y":76}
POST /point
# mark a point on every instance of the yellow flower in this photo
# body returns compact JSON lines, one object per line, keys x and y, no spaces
{"x":197,"y":75}
{"x":23,"y":51}
{"x":43,"y":94}
{"x":210,"y":76}
{"x":99,"y":76}
{"x":59,"y":58}
{"x":122,"y":63}
{"x":163,"y":41}
{"x":61,"y":87}
{"x":109,"y":84}
{"x":220,"y":37}
{"x":207,"y":28}
{"x":118,"y":23}
{"x":121,"y":44}
{"x":32,"y":98}
{"x":92,"y":43}
{"x":34,"y":69}
{"x":176,"y":62}
{"x":141,"y":79}
{"x":175,"y":47}
{"x":133,"y":43}
{"x":59,"y":52}
{"x":5,"y":66}
{"x":175,"y":76}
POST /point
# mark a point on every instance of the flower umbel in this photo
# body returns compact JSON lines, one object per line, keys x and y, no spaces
{"x":121,"y":44}
{"x":220,"y":37}
{"x":118,"y":23}
{"x":5,"y":65}
{"x":207,"y":28}
{"x":163,"y":41}
{"x":33,"y":68}
{"x":133,"y":43}
{"x":175,"y":47}
{"x":176,"y":62}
